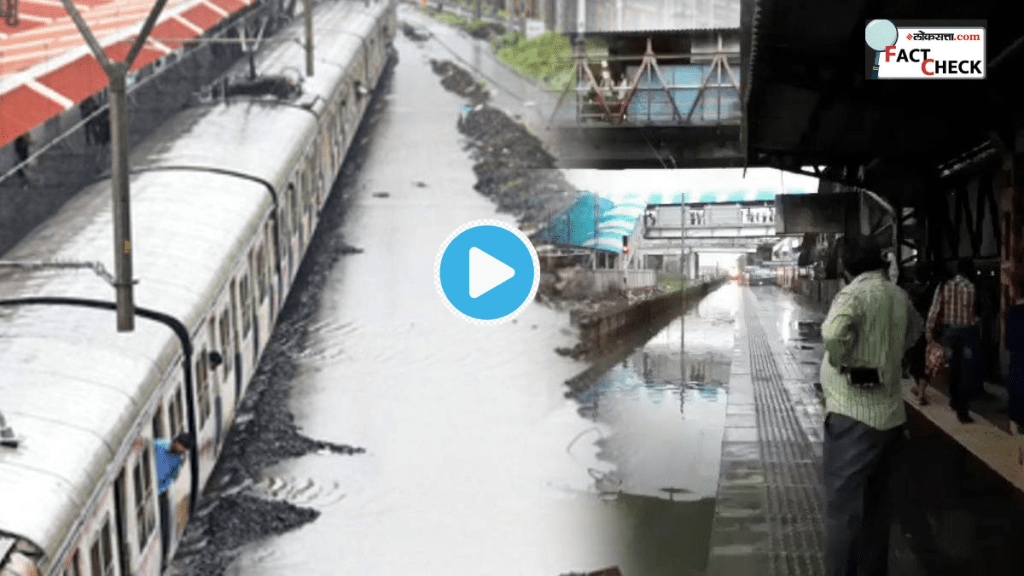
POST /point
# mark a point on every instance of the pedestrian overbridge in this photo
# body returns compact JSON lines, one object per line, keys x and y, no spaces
{"x":739,"y":221}
{"x":705,"y":245}
{"x":666,"y":99}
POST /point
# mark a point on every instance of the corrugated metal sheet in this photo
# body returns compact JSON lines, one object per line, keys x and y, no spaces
{"x":660,"y":15}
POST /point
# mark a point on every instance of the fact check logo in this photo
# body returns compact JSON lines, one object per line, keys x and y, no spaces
{"x":925,"y":50}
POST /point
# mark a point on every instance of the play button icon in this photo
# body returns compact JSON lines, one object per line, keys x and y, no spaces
{"x":487,"y":272}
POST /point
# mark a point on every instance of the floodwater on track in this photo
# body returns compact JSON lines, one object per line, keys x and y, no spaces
{"x":476,"y":462}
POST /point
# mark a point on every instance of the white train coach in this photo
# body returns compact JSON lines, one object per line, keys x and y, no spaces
{"x":225,"y":199}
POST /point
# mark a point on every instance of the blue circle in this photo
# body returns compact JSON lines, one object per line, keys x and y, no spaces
{"x":494,"y":244}
{"x":880,"y":34}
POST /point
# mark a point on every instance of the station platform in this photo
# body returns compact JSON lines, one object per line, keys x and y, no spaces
{"x":961,"y":510}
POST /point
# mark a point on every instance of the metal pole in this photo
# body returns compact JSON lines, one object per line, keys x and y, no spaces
{"x":581,"y":16}
{"x":682,"y":244}
{"x":122,"y":208}
{"x":682,"y":275}
{"x":117,"y":73}
{"x":307,"y":12}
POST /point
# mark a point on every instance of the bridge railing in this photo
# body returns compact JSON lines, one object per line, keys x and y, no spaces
{"x":652,"y":89}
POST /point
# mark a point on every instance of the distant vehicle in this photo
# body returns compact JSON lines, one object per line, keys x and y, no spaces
{"x":759,"y":276}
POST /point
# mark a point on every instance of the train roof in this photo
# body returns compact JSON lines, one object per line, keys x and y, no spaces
{"x":72,"y":384}
{"x":216,"y":138}
{"x":346,"y":25}
{"x":210,"y":136}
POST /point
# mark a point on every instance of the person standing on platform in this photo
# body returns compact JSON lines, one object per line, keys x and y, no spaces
{"x":953,"y":315}
{"x":870,"y":326}
{"x":22,"y":150}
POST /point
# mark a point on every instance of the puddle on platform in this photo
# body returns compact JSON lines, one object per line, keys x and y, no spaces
{"x":659,"y":419}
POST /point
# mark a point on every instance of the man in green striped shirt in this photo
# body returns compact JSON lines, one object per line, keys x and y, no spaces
{"x":869,"y":328}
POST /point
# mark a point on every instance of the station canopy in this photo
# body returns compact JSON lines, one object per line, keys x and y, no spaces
{"x":46,"y":67}
{"x":600,"y":219}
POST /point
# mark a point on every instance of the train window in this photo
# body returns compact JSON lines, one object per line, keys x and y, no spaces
{"x":270,"y":241}
{"x":73,"y":568}
{"x":225,"y":340}
{"x":145,"y":518}
{"x":297,"y":204}
{"x":215,"y":344}
{"x":202,"y":388}
{"x":172,"y":411}
{"x":179,"y":401}
{"x":176,"y":412}
{"x":285,"y":219}
{"x":233,"y":310}
{"x":296,"y":213}
{"x":101,"y":555}
{"x":243,"y":295}
{"x":158,"y":423}
{"x":260,"y":268}
{"x":319,"y":161}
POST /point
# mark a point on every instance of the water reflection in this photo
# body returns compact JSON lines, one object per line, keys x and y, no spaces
{"x":661,"y":413}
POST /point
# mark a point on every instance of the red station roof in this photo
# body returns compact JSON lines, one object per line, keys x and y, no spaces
{"x":47,"y":68}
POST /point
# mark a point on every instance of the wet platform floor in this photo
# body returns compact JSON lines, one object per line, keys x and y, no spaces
{"x":769,"y":517}
{"x":955,"y":515}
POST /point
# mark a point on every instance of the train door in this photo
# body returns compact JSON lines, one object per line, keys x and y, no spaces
{"x":276,"y":295}
{"x":214,"y":377}
{"x":228,"y":366}
{"x":102,"y":561}
{"x":284,"y":221}
{"x":326,"y":163}
{"x":297,"y":220}
{"x":124,"y":523}
{"x":262,"y":284}
{"x":166,"y":412}
{"x":342,"y":135}
{"x":135,"y":494}
{"x":245,"y":313}
{"x":293,"y":236}
{"x":235,"y":346}
{"x":308,"y":193}
{"x":250,"y":308}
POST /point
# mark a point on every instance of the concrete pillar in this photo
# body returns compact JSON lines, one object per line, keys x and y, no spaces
{"x":692,"y":265}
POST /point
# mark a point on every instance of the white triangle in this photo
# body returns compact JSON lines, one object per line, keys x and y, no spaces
{"x":486,"y":272}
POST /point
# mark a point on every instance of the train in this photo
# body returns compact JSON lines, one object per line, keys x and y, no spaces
{"x":226,"y":196}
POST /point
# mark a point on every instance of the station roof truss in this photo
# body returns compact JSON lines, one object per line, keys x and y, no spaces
{"x":46,"y":67}
{"x":807,"y":102}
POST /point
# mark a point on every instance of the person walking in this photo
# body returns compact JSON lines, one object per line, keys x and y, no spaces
{"x":921,"y":370}
{"x":952,"y":315}
{"x":870,"y":326}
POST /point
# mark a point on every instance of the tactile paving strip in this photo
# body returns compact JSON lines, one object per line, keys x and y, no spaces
{"x":793,"y":475}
